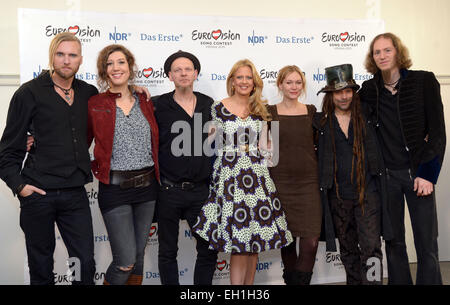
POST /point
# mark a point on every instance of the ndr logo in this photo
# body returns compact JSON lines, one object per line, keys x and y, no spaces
{"x":319,"y":77}
{"x":118,"y":36}
{"x":256,"y":39}
{"x":263,"y":266}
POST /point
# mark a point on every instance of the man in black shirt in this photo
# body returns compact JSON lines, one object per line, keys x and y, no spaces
{"x":406,"y":107}
{"x":185,"y":167}
{"x":350,"y":168}
{"x":50,"y":187}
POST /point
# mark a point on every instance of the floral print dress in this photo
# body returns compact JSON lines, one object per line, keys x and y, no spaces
{"x":243,"y":212}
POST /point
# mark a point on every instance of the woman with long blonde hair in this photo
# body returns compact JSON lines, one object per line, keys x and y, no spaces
{"x":243,"y":215}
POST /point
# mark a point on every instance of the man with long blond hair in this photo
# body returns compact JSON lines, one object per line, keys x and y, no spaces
{"x":407,"y":109}
{"x":50,"y":187}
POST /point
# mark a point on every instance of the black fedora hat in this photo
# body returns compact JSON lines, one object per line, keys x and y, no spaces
{"x":179,"y":54}
{"x":338,"y":78}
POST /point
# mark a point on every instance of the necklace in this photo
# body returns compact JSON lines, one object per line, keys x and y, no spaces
{"x":66,"y":91}
{"x":393,"y":83}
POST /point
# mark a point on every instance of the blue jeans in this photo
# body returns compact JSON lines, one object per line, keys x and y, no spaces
{"x":128,"y":227}
{"x":69,"y":208}
{"x":422,"y":211}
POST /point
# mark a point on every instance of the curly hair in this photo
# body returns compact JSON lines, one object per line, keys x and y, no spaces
{"x":257,"y":104}
{"x":102,"y":60}
{"x":403,"y":59}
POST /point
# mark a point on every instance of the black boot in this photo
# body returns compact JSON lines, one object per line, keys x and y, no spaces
{"x":287,"y":276}
{"x":301,"y":278}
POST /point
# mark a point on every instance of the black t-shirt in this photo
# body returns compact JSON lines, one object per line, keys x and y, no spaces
{"x":181,"y":138}
{"x":390,"y":132}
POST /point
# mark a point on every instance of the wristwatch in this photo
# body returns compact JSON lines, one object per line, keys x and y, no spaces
{"x":20,"y":188}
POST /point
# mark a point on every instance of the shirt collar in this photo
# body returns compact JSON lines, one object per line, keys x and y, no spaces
{"x":198,"y":106}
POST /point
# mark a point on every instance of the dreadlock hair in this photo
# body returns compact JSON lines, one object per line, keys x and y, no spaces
{"x":359,"y":131}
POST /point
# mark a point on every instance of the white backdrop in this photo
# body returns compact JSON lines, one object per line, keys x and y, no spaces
{"x":218,"y":42}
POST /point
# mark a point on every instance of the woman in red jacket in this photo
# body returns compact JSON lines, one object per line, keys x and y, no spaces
{"x":125,"y":162}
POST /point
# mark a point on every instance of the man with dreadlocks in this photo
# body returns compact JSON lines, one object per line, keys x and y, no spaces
{"x":350,"y":168}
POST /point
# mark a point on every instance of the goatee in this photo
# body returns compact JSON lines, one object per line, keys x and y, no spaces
{"x":65,"y":76}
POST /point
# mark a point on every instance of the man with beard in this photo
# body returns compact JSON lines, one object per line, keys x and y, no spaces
{"x":50,"y":187}
{"x":350,"y":168}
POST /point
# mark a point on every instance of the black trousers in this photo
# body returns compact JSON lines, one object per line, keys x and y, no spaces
{"x":173,"y":205}
{"x":422,"y":211}
{"x":359,"y":238}
{"x":69,"y":208}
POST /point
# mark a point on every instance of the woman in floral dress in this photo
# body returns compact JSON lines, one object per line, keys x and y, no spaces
{"x":243,"y":215}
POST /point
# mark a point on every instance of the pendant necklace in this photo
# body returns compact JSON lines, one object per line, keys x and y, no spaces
{"x":66,"y":92}
{"x":393,"y":84}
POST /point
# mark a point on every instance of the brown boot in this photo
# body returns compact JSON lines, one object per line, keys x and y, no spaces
{"x":134,"y":279}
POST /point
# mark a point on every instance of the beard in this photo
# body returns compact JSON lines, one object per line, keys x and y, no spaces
{"x":342,"y":107}
{"x":65,"y":74}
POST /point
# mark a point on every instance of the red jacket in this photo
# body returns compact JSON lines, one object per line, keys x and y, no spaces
{"x":101,"y":124}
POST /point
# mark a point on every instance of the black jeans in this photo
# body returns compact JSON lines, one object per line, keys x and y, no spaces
{"x":359,"y":237}
{"x":173,"y":205}
{"x":69,"y":208}
{"x":422,"y":211}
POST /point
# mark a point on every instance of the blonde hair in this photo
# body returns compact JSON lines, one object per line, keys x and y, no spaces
{"x":403,"y":59}
{"x":285,"y":71}
{"x":256,"y":103}
{"x":54,"y":44}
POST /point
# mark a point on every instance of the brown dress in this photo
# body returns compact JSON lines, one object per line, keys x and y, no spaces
{"x":296,"y":175}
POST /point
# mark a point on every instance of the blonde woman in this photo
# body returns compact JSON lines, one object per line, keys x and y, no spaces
{"x":243,"y":215}
{"x":297,"y":182}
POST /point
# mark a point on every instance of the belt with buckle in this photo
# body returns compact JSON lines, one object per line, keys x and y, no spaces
{"x":185,"y":185}
{"x":133,"y":179}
